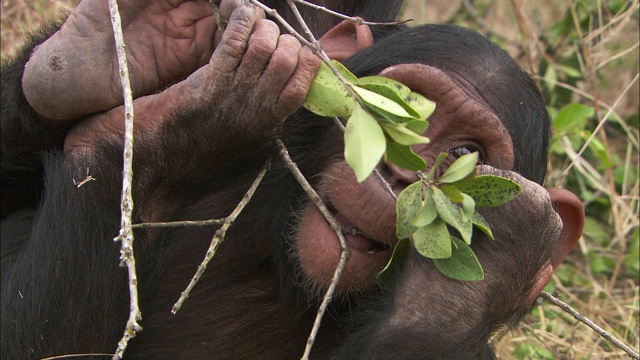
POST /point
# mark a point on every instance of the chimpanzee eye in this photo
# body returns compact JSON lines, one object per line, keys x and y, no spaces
{"x":459,"y":151}
{"x":464,"y":150}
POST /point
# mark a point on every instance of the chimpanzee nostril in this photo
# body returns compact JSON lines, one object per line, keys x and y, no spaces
{"x":401,"y":175}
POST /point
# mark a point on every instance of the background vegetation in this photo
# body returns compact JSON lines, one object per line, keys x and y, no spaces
{"x":584,"y":55}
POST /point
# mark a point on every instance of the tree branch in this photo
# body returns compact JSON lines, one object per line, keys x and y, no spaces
{"x":580,"y":317}
{"x":218,"y":238}
{"x":180,"y":223}
{"x":126,"y":203}
{"x":335,"y":226}
{"x":354,"y":19}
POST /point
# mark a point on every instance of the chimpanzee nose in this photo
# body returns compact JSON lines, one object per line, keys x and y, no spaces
{"x":401,"y":176}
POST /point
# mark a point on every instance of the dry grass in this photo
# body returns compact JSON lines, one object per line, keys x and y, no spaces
{"x":18,"y":16}
{"x":600,"y":278}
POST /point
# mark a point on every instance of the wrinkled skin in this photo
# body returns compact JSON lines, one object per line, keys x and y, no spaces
{"x":198,"y":145}
{"x":161,"y":50}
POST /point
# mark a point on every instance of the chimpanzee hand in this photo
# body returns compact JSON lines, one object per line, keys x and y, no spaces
{"x":75,"y":72}
{"x":255,"y":78}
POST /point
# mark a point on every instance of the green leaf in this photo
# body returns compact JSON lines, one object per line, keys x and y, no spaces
{"x":403,"y":136}
{"x":436,"y":164}
{"x":346,"y":74}
{"x":481,"y":223}
{"x":364,"y":143}
{"x":489,"y":190}
{"x":417,"y":126}
{"x":460,"y":169}
{"x":452,"y":214}
{"x":551,"y":78}
{"x":571,"y":72}
{"x":390,"y":89}
{"x":421,"y":104}
{"x":385,"y":117}
{"x":408,"y":204}
{"x":452,"y":193}
{"x":328,"y":96}
{"x":573,"y":117}
{"x":463,"y":263}
{"x":391,"y":86}
{"x":404,"y":157}
{"x":601,"y":152}
{"x":433,"y":240}
{"x":427,"y":212}
{"x":468,"y":205}
{"x":381,"y":103}
{"x":468,"y":180}
{"x":387,"y":276}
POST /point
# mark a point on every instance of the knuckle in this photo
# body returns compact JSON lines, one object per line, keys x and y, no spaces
{"x":233,"y":45}
{"x":283,"y":62}
{"x":292,"y":96}
{"x":260,"y":47}
{"x":286,"y":56}
{"x":267,"y":26}
{"x":289,"y":41}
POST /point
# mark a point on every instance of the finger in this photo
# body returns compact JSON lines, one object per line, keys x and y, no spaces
{"x":227,"y":7}
{"x":281,"y":66}
{"x":295,"y":90}
{"x":228,"y":55}
{"x":261,"y":46}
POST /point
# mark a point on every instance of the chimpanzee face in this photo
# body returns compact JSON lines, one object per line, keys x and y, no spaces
{"x":462,"y":123}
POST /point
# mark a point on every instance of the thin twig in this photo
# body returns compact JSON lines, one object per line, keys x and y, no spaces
{"x":344,"y":255}
{"x":220,"y":21}
{"x":71,"y":356}
{"x":180,"y":223}
{"x":354,"y":19}
{"x":218,"y":238}
{"x":126,"y":203}
{"x":274,"y":14}
{"x":335,"y":226}
{"x":86,"y":180}
{"x":580,"y":317}
{"x":601,"y":123}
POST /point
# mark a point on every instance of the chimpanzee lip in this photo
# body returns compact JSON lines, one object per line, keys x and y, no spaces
{"x":353,"y":234}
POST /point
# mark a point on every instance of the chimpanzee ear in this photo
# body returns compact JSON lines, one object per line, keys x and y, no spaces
{"x":571,"y":211}
{"x":344,"y":39}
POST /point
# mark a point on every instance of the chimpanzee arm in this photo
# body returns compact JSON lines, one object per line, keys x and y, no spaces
{"x":66,"y":278}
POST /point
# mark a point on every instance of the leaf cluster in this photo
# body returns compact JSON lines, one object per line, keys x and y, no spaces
{"x":391,"y":119}
{"x":428,"y":208}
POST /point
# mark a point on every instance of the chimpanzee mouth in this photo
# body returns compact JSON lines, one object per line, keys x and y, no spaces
{"x":356,"y":239}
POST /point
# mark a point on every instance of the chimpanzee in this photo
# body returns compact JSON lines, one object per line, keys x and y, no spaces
{"x":206,"y":121}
